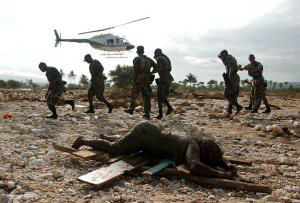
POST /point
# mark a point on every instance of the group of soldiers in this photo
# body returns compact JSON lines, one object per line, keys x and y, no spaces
{"x":143,"y":76}
{"x":232,"y":83}
{"x":203,"y":156}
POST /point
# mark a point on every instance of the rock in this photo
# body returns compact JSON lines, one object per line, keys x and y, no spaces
{"x":194,"y":107}
{"x":217,"y":110}
{"x":11,"y":185}
{"x":27,"y":154}
{"x":45,"y":176}
{"x":6,"y":199}
{"x":259,"y":127}
{"x":276,"y":130}
{"x":37,"y":163}
{"x":270,"y":198}
{"x":29,"y":196}
{"x":57,"y":173}
{"x":296,"y":124}
{"x":164,"y":181}
{"x":269,"y":128}
{"x":211,"y":197}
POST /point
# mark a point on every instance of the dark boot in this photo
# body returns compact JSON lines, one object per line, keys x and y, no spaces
{"x":78,"y":143}
{"x":71,"y":103}
{"x":53,"y":116}
{"x":110,"y":108}
{"x":91,"y":110}
{"x":130,"y":111}
{"x":160,"y":114}
{"x":170,"y":109}
{"x":249,"y":108}
{"x":268,"y":110}
{"x":146,"y":116}
{"x":254,"y":110}
{"x":238,"y":108}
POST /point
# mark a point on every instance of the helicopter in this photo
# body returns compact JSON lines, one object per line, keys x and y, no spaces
{"x":104,"y":42}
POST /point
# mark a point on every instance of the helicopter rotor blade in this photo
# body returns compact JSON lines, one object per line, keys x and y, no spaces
{"x":108,"y":28}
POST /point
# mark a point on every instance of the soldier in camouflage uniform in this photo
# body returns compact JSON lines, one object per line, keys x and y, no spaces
{"x":164,"y":82}
{"x":141,"y":82}
{"x":97,"y":84}
{"x":232,"y":81}
{"x":55,"y":89}
{"x":203,"y":156}
{"x":258,"y":86}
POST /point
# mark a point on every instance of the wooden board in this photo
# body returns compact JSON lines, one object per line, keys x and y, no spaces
{"x":238,"y":161}
{"x":86,"y":154}
{"x":155,"y":169}
{"x":109,"y":173}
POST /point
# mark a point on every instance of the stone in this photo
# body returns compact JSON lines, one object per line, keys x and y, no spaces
{"x":6,"y":199}
{"x":259,"y":127}
{"x":37,"y":163}
{"x":164,"y":181}
{"x":27,"y":154}
{"x":57,"y":173}
{"x":29,"y":196}
{"x":276,"y":130}
{"x":270,"y":198}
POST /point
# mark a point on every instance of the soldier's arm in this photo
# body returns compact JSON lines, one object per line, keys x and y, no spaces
{"x":153,"y":65}
{"x":232,"y":64}
{"x":247,"y":67}
{"x":160,"y":64}
{"x":136,"y":65}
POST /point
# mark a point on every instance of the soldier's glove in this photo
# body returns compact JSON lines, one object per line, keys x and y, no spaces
{"x":157,"y":81}
{"x":225,"y":77}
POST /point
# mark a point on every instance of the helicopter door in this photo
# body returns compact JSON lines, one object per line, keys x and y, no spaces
{"x":110,"y":41}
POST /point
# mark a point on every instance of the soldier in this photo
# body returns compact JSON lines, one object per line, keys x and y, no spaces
{"x":203,"y":156}
{"x":232,"y":81}
{"x":55,"y":89}
{"x":141,"y":82}
{"x":97,"y":84}
{"x":258,"y":85}
{"x":164,"y":82}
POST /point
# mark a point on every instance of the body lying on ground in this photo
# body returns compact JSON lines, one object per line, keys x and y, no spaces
{"x":203,"y":156}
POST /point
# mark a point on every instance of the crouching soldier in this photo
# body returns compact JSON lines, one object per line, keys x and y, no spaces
{"x":55,"y":89}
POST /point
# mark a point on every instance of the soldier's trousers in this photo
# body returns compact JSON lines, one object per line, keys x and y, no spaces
{"x":54,"y":96}
{"x":252,"y":99}
{"x":163,"y":89}
{"x":97,"y":90}
{"x":231,"y":94}
{"x":145,"y":90}
{"x":259,"y":94}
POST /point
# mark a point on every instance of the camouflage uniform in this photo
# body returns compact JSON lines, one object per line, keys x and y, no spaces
{"x":141,"y":82}
{"x":57,"y":87}
{"x":202,"y":156}
{"x":232,"y":86}
{"x":97,"y":86}
{"x":258,"y":89}
{"x":163,"y":83}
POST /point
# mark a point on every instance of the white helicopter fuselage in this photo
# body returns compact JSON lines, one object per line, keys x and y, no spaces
{"x":110,"y":42}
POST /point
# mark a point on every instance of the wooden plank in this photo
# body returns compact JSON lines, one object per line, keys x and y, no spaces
{"x":215,"y":182}
{"x":155,"y":169}
{"x":86,"y":154}
{"x":109,"y":173}
{"x":238,"y":161}
{"x":63,"y":148}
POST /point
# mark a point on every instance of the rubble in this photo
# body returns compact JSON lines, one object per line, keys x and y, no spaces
{"x":32,"y":171}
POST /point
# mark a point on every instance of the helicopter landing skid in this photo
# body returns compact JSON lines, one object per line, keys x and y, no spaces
{"x":115,"y":55}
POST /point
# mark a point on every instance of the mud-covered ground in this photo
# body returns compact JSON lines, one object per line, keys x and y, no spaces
{"x":32,"y":171}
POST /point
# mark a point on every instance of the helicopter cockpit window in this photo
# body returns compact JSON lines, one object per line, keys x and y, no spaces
{"x":124,"y":41}
{"x":117,"y":41}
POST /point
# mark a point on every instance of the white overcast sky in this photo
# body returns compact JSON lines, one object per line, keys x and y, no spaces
{"x":190,"y":32}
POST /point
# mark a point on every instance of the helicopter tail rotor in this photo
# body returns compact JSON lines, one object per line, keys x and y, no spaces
{"x":58,"y":38}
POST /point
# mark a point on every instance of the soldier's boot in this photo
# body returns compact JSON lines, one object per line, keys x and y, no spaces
{"x":170,"y":109}
{"x":130,"y":111}
{"x":249,"y":108}
{"x":268,"y":110}
{"x":78,"y":143}
{"x":238,"y":108}
{"x":53,"y":110}
{"x":90,"y":110}
{"x":71,"y":103}
{"x":146,"y":116}
{"x":110,"y":108}
{"x":160,"y":114}
{"x":254,"y":110}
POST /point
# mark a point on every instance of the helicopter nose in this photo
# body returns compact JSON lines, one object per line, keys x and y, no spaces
{"x":128,"y":47}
